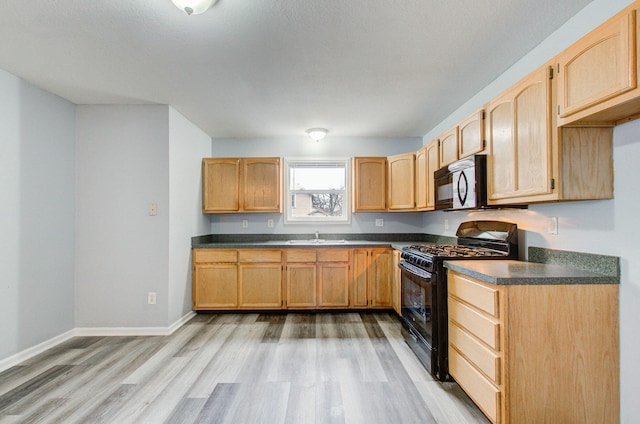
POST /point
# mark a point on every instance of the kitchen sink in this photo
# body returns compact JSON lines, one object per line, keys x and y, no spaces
{"x":317,"y":241}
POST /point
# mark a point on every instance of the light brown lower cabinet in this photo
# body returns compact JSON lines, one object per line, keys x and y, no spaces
{"x":215,"y":279}
{"x":333,"y":278}
{"x":372,"y":278}
{"x":396,"y":290}
{"x":317,"y":278}
{"x":297,"y":278}
{"x":260,"y":279}
{"x":536,"y":353}
{"x":301,"y":277}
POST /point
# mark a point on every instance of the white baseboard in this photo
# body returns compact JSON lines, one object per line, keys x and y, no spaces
{"x":134,"y":331}
{"x":92,"y":331}
{"x":22,"y":356}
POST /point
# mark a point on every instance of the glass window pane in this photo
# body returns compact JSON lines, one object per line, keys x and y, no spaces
{"x":317,"y":178}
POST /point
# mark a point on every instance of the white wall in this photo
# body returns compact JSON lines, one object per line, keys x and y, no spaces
{"x":187,"y":146}
{"x":121,"y":252}
{"x":301,"y":147}
{"x":607,"y":227}
{"x":127,"y":158}
{"x":36,"y":222}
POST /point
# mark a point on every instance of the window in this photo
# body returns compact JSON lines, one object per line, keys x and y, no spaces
{"x":317,"y":191}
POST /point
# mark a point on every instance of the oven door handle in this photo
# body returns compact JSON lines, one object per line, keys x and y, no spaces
{"x":415,"y":271}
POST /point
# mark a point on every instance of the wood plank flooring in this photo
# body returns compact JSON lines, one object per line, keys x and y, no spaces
{"x":237,"y":368}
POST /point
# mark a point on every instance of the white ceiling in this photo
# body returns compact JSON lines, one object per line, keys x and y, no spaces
{"x":265,"y":68}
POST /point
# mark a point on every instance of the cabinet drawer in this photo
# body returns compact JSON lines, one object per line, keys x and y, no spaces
{"x":215,"y":255}
{"x":259,"y":255}
{"x":485,"y":394}
{"x":479,"y":295}
{"x":333,"y":255}
{"x":477,"y":324}
{"x":301,"y":255}
{"x":484,"y":359}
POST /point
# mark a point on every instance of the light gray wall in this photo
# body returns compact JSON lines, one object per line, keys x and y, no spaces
{"x":304,"y":147}
{"x":122,"y":252}
{"x":606,"y":227}
{"x":187,"y":146}
{"x":36,"y":222}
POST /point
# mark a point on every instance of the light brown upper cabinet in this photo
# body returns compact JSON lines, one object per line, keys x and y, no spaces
{"x":531,"y":160}
{"x":449,"y":147}
{"x":427,"y":162}
{"x":471,"y":135}
{"x":241,"y":185}
{"x":465,"y":139}
{"x":597,"y":76}
{"x":369,"y":184}
{"x":401,"y":182}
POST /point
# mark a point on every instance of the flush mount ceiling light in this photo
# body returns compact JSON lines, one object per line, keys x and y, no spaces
{"x":193,"y":7}
{"x":317,"y":134}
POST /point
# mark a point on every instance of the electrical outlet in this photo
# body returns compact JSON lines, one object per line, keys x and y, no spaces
{"x":245,"y":223}
{"x":379,"y":222}
{"x":446,"y":224}
{"x":553,"y":226}
{"x":269,"y":223}
{"x":151,"y":298}
{"x":153,"y":209}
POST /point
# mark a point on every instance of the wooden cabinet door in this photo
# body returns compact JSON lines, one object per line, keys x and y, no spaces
{"x":380,"y":277}
{"x":427,"y":162}
{"x":260,"y":285}
{"x":433,"y":164}
{"x":215,"y":286}
{"x":220,"y":185}
{"x":599,"y":67}
{"x":449,"y":147}
{"x":369,"y":184}
{"x":471,"y":132}
{"x":301,"y":285}
{"x":520,"y":139}
{"x":396,"y":292}
{"x":401,"y":182}
{"x":421,"y":179}
{"x":360,"y":292}
{"x":333,"y":284}
{"x":261,"y":185}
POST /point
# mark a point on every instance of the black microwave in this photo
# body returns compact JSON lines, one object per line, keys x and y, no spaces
{"x":462,"y":184}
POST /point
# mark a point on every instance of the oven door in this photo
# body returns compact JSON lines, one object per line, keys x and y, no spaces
{"x":418,"y":314}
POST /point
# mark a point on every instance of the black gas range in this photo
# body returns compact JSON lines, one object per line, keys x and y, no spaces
{"x":424,"y":286}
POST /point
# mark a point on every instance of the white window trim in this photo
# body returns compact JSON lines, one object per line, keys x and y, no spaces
{"x":288,"y":219}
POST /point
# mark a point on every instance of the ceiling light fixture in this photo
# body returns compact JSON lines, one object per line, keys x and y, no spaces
{"x":193,"y":7}
{"x":317,"y":134}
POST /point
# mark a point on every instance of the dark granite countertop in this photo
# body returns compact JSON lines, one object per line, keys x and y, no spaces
{"x":501,"y":272}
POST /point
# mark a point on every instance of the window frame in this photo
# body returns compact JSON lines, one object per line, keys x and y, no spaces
{"x":288,"y":193}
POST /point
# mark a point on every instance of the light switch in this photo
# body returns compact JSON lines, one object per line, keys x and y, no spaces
{"x":153,"y":209}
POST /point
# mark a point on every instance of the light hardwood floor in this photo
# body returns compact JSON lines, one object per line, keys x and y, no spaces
{"x":237,"y":368}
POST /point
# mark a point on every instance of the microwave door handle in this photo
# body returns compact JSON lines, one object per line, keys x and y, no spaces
{"x":463,"y":191}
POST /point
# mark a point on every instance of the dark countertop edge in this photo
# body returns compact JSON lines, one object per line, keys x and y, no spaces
{"x":284,"y":245}
{"x":545,"y":277}
{"x":231,"y":241}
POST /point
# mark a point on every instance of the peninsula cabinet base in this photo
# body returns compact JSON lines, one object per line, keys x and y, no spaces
{"x":536,"y":353}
